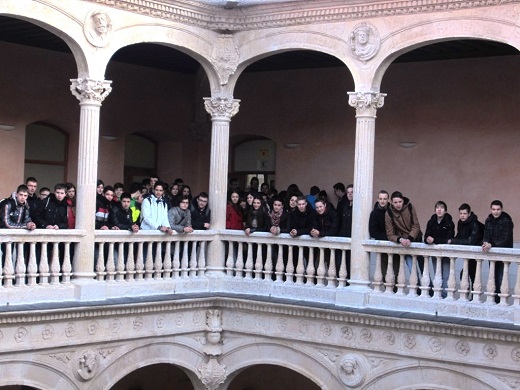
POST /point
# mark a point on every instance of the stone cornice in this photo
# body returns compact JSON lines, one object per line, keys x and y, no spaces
{"x":289,"y":14}
{"x":276,"y":309}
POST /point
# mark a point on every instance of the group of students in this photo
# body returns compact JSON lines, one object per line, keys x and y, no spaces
{"x":289,"y":211}
{"x":395,"y":219}
{"x":146,"y":206}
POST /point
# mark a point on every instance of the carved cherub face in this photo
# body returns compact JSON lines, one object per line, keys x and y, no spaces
{"x":213,"y":338}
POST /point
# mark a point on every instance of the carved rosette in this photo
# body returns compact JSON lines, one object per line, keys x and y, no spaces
{"x":366,"y":103}
{"x":212,"y":374}
{"x":225,"y":57}
{"x":352,"y":369}
{"x":462,"y":347}
{"x":221,"y":108}
{"x":91,"y":91}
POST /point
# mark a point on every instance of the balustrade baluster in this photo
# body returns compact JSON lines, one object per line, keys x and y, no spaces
{"x":230,"y":263}
{"x":32,"y":267}
{"x":310,"y":268}
{"x":331,"y":274}
{"x":516,"y":296}
{"x":452,"y":283}
{"x":437,"y":280}
{"x":120,"y":266}
{"x":8,"y":265}
{"x":167,"y":267}
{"x":55,"y":264}
{"x":259,"y":263}
{"x":289,"y":269}
{"x":300,"y":267}
{"x":184,"y":260}
{"x":414,"y":279}
{"x":504,"y":287}
{"x":464,"y":282}
{"x":378,"y":274}
{"x":390,"y":275}
{"x":249,"y":261}
{"x":425,"y":279}
{"x":66,"y":268}
{"x":320,"y":279}
{"x":193,"y":259}
{"x":148,"y":264}
{"x":130,"y":263}
{"x":239,"y":265}
{"x":490,"y":287}
{"x":401,"y":278}
{"x":100,"y":262}
{"x":20,"y":265}
{"x":157,"y":275}
{"x":279,"y":264}
{"x":477,"y":284}
{"x":202,"y":259}
{"x":139,"y":264}
{"x":269,"y":262}
{"x":44,"y":265}
{"x":343,"y":273}
{"x":111,"y":265}
{"x":176,"y":260}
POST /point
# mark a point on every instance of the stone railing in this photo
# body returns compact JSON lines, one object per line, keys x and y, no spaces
{"x":40,"y":257}
{"x":296,"y":268}
{"x":151,"y":255}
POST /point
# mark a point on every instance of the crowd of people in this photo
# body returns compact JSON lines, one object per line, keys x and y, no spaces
{"x":154,"y":205}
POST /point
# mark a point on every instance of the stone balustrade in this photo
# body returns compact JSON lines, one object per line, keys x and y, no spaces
{"x":38,"y":267}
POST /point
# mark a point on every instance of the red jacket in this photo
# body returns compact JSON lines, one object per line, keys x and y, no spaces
{"x":234,"y":218}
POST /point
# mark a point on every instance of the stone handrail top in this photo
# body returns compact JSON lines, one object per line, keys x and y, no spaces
{"x":38,"y":235}
{"x":443,"y":250}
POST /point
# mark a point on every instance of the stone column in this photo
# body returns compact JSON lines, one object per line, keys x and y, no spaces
{"x":366,"y":104}
{"x":90,"y":94}
{"x":221,"y":110}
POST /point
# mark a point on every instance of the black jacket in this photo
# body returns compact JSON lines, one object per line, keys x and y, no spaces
{"x":51,"y":212}
{"x":376,"y":223}
{"x":199,"y":217}
{"x":441,"y":232}
{"x":345,"y":221}
{"x":263,"y":221}
{"x":120,"y":218}
{"x":469,"y":232}
{"x":499,"y":231}
{"x":326,"y":223}
{"x":301,"y":222}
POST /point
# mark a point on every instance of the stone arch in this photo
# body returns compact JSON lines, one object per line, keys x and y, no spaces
{"x":195,"y":43}
{"x":57,"y":21}
{"x":36,"y":374}
{"x":186,"y":357}
{"x":279,"y":42}
{"x":429,"y":376}
{"x":428,"y":32}
{"x":244,"y":356}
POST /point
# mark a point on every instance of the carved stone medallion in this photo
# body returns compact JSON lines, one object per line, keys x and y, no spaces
{"x":364,"y":42}
{"x":352,"y":369}
{"x":98,"y":28}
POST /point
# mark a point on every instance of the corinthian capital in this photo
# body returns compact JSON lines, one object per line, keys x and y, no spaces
{"x":366,"y":102}
{"x":221,"y":108}
{"x":90,"y":91}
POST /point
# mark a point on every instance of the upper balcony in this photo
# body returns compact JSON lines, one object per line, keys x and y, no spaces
{"x":38,"y":267}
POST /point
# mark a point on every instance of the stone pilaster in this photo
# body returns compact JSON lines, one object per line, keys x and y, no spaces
{"x":90,"y":94}
{"x":221,"y":110}
{"x":366,"y":105}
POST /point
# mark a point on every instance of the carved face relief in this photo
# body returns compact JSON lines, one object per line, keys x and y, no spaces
{"x":364,"y":42}
{"x":98,"y":28}
{"x":352,"y":369}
